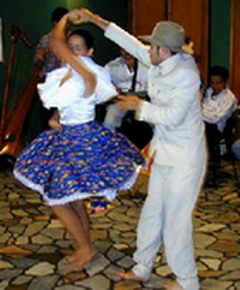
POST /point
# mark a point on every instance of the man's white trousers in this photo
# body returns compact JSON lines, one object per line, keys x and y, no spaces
{"x":166,"y":218}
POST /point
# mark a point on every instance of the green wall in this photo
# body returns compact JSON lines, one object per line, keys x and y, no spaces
{"x":33,"y":18}
{"x":219,"y":32}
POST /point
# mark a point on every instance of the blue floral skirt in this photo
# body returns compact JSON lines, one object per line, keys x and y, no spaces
{"x":78,"y":162}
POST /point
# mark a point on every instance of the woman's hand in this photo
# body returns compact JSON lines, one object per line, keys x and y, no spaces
{"x":54,"y":123}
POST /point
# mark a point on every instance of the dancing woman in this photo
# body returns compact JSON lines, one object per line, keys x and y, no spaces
{"x":81,"y":160}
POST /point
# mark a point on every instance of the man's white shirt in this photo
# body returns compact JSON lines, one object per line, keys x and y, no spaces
{"x":218,"y":108}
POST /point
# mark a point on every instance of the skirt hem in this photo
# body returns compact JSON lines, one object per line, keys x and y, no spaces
{"x":109,"y":193}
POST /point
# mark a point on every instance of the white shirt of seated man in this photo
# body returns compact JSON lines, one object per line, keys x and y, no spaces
{"x":122,"y":70}
{"x":219,"y":103}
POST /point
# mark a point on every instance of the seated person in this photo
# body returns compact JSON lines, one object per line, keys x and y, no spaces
{"x":129,"y":76}
{"x":218,"y":105}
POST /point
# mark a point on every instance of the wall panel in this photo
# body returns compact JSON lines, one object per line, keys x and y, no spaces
{"x":234,"y":48}
{"x":191,"y":14}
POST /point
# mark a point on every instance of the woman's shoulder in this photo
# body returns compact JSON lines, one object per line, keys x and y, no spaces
{"x":100,"y":70}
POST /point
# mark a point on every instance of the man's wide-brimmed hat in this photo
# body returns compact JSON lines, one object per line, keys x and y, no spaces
{"x":167,"y":34}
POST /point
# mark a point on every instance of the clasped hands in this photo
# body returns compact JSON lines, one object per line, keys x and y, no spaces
{"x":79,"y":16}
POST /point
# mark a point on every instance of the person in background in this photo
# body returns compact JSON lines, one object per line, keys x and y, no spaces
{"x":218,"y":105}
{"x":129,"y":76}
{"x":178,"y":148}
{"x":45,"y":58}
{"x":189,"y":45}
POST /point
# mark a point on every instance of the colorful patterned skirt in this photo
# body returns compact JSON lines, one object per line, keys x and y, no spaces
{"x":78,"y":162}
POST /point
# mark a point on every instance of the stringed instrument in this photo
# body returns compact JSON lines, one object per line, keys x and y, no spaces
{"x":12,"y":123}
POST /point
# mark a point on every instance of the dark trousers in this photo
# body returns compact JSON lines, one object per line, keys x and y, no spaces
{"x":213,"y":136}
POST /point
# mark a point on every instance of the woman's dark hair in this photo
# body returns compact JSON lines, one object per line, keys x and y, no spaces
{"x":219,"y":71}
{"x":87,"y":36}
{"x":58,"y":13}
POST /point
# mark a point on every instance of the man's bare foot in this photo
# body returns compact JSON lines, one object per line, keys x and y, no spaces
{"x":130,"y":275}
{"x":171,"y":285}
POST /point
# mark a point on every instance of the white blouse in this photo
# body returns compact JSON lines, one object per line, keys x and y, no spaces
{"x":68,"y":98}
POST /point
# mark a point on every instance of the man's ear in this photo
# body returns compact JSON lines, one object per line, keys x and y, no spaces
{"x":164,"y":51}
{"x":160,"y":51}
{"x":90,"y":52}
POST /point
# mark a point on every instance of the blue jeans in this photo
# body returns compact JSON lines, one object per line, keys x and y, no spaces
{"x":236,"y":149}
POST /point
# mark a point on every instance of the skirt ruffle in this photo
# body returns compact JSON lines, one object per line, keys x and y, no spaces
{"x":78,"y":162}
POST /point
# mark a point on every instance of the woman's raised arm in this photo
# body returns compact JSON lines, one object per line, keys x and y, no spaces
{"x":59,"y":45}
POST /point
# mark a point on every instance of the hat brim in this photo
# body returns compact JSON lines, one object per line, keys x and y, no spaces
{"x":152,"y":40}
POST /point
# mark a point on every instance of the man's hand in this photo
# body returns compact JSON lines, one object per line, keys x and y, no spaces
{"x":129,"y":102}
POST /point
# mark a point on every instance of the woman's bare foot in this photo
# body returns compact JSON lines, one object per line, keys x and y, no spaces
{"x":68,"y":259}
{"x":130,"y":275}
{"x":171,"y":285}
{"x":72,"y":257}
{"x":79,"y":260}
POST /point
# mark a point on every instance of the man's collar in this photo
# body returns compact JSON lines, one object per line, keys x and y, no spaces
{"x":169,"y":64}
